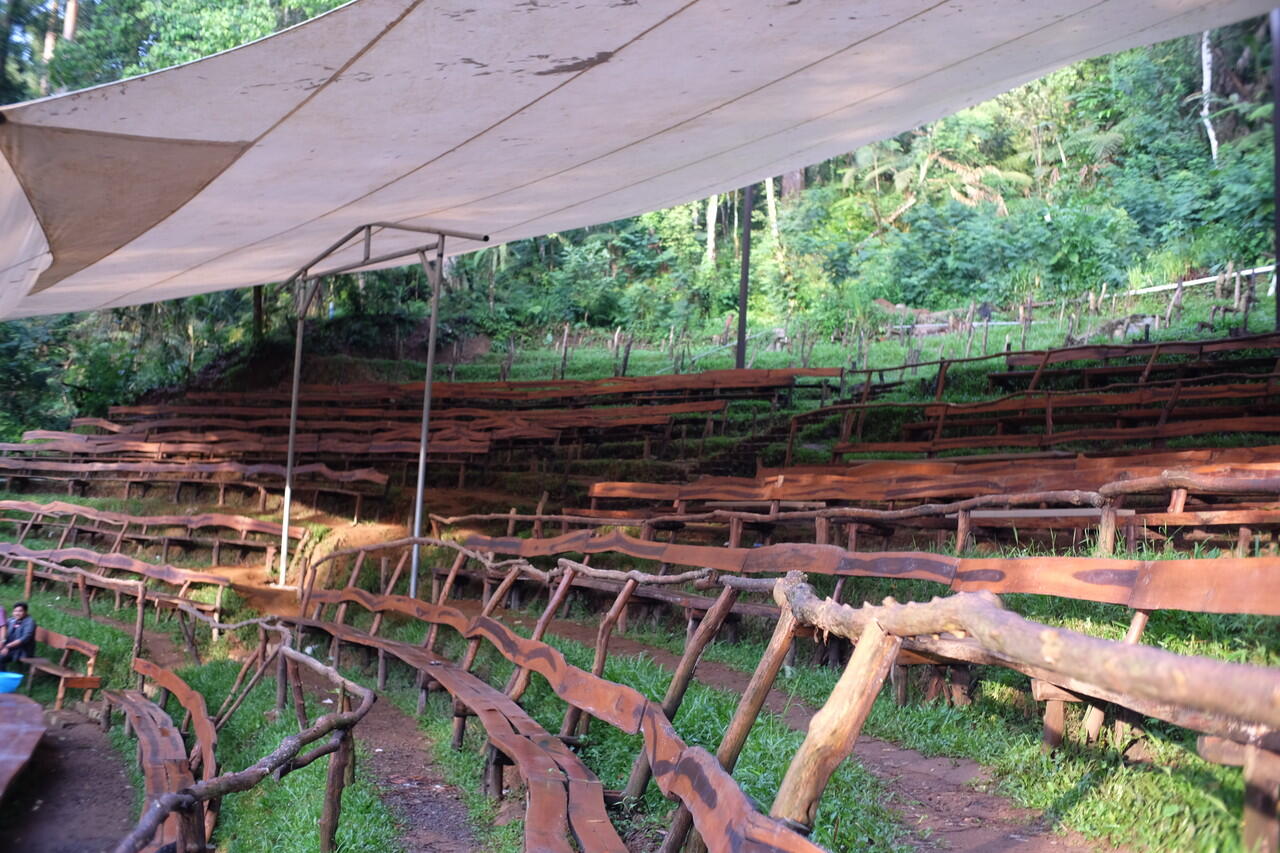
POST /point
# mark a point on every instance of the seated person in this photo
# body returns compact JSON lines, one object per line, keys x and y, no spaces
{"x":19,"y":637}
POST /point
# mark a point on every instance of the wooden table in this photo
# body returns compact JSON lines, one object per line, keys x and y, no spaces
{"x":21,"y":727}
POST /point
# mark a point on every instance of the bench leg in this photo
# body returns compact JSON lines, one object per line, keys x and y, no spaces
{"x":1261,"y":795}
{"x":493,"y":763}
{"x":1055,"y":717}
{"x":459,"y":724}
{"x":62,"y":693}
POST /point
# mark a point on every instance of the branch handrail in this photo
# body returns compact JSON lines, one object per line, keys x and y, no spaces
{"x":1239,"y":691}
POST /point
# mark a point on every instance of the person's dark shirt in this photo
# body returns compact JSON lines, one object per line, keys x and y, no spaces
{"x":24,"y":631}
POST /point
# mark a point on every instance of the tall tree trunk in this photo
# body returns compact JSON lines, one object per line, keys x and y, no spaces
{"x":792,"y":183}
{"x":258,"y":314}
{"x":50,"y":39}
{"x":1206,"y":92}
{"x":771,"y":206}
{"x":12,"y":12}
{"x":70,"y":19}
{"x":713,"y":207}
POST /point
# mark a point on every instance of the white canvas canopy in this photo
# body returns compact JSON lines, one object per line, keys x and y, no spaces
{"x":512,"y":118}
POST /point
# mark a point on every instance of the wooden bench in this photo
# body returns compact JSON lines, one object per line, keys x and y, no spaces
{"x":166,"y":763}
{"x":720,"y":809}
{"x":68,"y":679}
{"x":560,"y":786}
{"x":211,"y":531}
{"x":21,"y":727}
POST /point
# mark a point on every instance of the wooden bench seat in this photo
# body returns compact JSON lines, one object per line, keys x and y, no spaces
{"x":21,"y":727}
{"x":163,"y":756}
{"x":561,"y":788}
{"x":68,"y":678}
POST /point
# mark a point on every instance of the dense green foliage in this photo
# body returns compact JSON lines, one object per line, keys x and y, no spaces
{"x":1100,"y":172}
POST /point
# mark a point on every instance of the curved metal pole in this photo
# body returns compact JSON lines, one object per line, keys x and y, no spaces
{"x":293,"y":428}
{"x":435,"y":272}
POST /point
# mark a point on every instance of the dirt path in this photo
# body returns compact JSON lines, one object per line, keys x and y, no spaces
{"x":433,"y":816}
{"x":937,"y":797}
{"x":74,"y":797}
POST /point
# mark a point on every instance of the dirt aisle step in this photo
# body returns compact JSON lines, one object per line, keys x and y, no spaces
{"x":433,"y":814}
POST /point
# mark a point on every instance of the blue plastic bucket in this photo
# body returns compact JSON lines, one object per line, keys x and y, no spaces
{"x":9,"y":681}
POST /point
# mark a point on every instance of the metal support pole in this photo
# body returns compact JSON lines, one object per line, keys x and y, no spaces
{"x":293,"y":427}
{"x":1275,"y":136}
{"x":435,"y":272}
{"x":748,"y":194}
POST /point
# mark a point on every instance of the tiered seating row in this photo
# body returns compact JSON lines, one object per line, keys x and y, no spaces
{"x":629,"y":389}
{"x":1228,"y":496}
{"x":55,"y":565}
{"x":1035,"y":419}
{"x":314,"y":477}
{"x":1230,"y":703}
{"x":212,"y":531}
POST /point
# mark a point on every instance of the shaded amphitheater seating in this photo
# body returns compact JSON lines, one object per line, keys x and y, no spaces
{"x":314,"y":477}
{"x":1037,"y":419}
{"x":964,"y":628}
{"x":57,"y":565}
{"x":21,"y":727}
{"x":211,"y":531}
{"x":163,"y":756}
{"x":574,"y":797}
{"x":68,"y":678}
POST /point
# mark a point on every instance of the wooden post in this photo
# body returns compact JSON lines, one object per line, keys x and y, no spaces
{"x":139,"y":619}
{"x":445,"y":589}
{"x":1261,"y":792}
{"x":707,"y":630}
{"x":1107,"y":532}
{"x":299,"y":699}
{"x":1093,"y":719}
{"x":520,"y":678}
{"x":835,"y":727}
{"x":282,"y":683}
{"x":964,"y":527}
{"x":573,"y":715}
{"x":333,"y":793}
{"x":743,"y":718}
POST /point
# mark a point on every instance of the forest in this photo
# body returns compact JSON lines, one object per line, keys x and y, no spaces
{"x":1135,"y":168}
